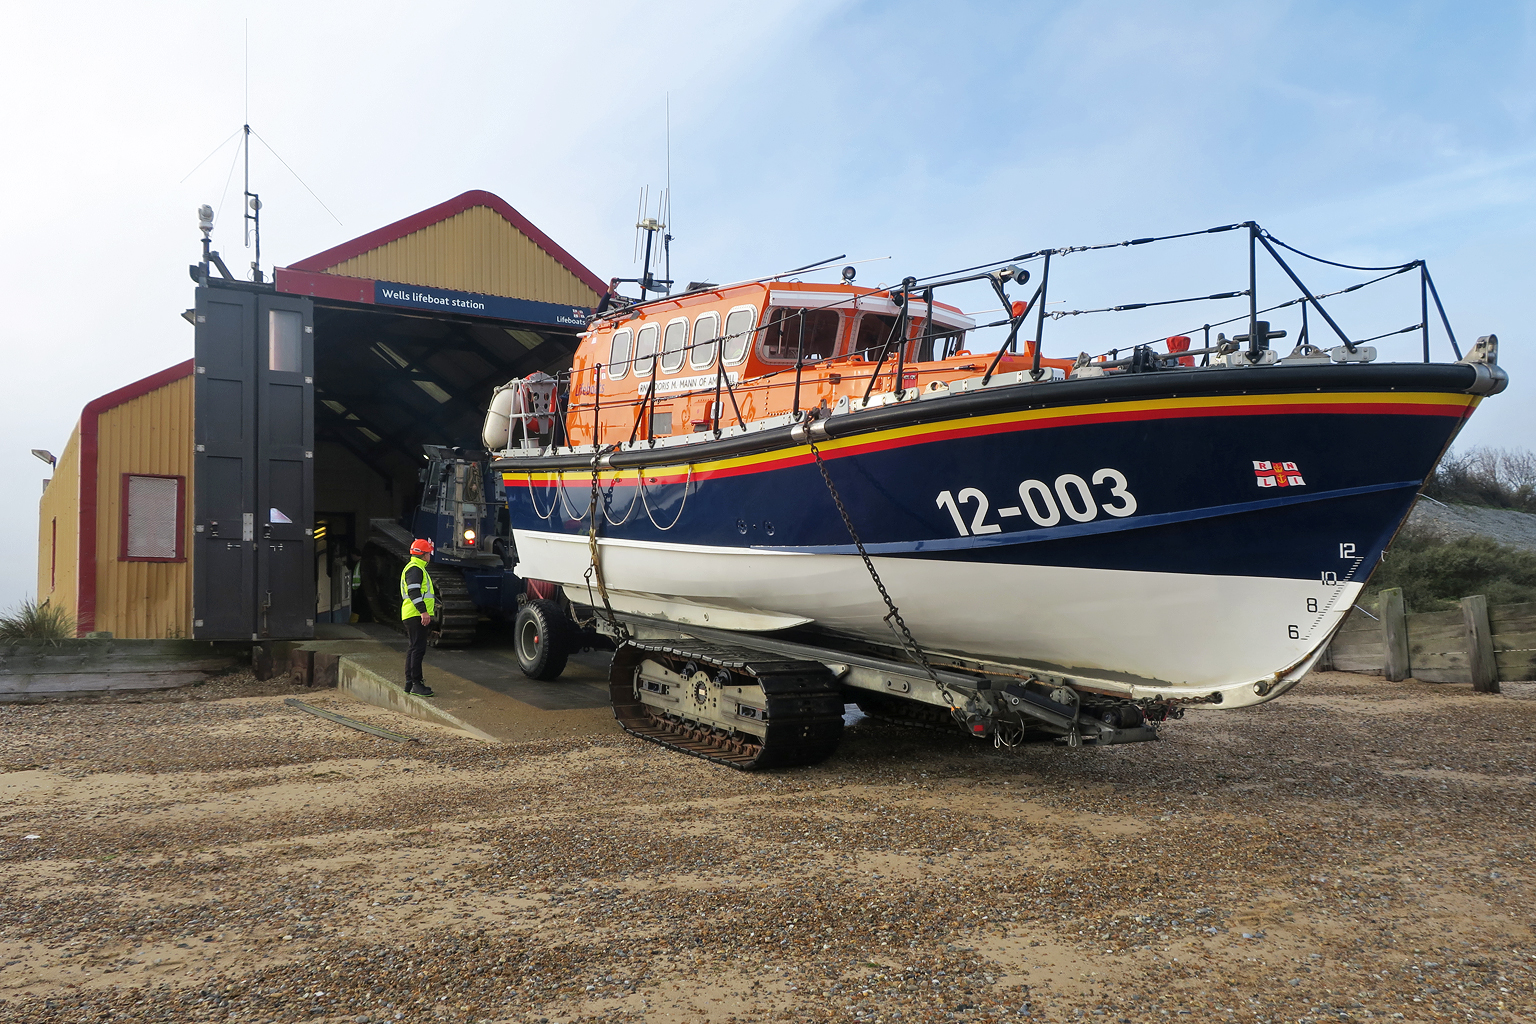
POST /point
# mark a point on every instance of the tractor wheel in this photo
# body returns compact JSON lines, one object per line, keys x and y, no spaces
{"x":544,"y":637}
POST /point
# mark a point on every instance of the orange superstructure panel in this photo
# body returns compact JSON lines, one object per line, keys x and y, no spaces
{"x":477,"y":250}
{"x":763,"y":386}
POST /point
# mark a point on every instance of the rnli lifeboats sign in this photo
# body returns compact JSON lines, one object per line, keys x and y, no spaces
{"x":499,"y":307}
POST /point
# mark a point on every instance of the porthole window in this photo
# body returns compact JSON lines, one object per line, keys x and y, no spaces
{"x":618,"y":354}
{"x":645,"y":349}
{"x":672,"y":345}
{"x":738,"y":333}
{"x":706,"y":335}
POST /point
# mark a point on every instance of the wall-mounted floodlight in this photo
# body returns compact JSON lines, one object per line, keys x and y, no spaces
{"x":46,"y":456}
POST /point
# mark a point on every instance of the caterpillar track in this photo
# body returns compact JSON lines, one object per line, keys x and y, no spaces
{"x":726,"y":704}
{"x":907,"y":713}
{"x":457,"y":615}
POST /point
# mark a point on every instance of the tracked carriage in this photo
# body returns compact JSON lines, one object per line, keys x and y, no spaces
{"x":820,"y":482}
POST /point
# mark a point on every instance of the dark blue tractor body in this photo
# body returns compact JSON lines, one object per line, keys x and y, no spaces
{"x":462,"y":509}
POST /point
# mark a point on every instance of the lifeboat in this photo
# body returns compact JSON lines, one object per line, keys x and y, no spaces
{"x":834,"y":465}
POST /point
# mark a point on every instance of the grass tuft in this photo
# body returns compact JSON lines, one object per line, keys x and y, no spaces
{"x":33,"y":621}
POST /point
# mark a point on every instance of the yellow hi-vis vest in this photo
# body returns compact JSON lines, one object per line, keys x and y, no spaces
{"x":428,"y":595}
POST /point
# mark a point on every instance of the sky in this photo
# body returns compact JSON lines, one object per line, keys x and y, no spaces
{"x":919,"y":137}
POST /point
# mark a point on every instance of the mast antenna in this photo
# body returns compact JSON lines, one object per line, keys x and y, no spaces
{"x":649,"y":225}
{"x":252,"y":204}
{"x":666,"y":217}
{"x":639,"y":216}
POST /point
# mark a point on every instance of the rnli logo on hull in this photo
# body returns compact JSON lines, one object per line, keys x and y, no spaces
{"x":1278,"y":474}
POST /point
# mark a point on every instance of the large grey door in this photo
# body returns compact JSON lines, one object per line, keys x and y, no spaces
{"x":223,"y":478}
{"x":285,"y":479}
{"x":253,"y":478}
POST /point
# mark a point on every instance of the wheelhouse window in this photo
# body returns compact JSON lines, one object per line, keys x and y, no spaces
{"x":645,"y":349}
{"x":672,"y":345}
{"x":738,"y":334}
{"x":706,"y":334}
{"x":618,"y":354}
{"x":781,"y":334}
{"x":871,"y":334}
{"x":153,"y":517}
{"x":945,"y":342}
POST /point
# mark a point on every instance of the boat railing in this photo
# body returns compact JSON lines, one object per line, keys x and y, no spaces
{"x":721,"y":383}
{"x":1256,"y":336}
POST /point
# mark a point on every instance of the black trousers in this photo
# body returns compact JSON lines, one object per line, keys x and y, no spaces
{"x":418,"y":648}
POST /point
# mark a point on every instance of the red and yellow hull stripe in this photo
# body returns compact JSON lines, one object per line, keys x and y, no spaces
{"x":1371,"y":403}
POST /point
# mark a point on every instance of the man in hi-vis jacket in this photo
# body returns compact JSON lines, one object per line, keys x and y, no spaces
{"x":418,"y":603}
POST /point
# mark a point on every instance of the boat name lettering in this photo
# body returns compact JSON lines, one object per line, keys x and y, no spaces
{"x":1044,"y":504}
{"x":699,"y":382}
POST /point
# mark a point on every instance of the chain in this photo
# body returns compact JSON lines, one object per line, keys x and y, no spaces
{"x":892,"y":615}
{"x":594,"y":568}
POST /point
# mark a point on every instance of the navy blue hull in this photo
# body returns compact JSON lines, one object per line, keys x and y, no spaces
{"x":1199,"y":506}
{"x":1161,"y":534}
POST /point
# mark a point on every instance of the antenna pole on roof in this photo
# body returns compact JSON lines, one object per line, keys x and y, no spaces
{"x":666,"y":218}
{"x":252,"y":211}
{"x":651,"y":225}
{"x":252,"y":200}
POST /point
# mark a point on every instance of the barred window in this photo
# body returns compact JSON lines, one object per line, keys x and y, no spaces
{"x":152,"y":518}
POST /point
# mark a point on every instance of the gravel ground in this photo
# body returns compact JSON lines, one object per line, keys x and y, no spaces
{"x":1357,"y":849}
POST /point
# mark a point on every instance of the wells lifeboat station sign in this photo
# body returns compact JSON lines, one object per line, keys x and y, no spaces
{"x":387,"y":293}
{"x":415,"y":296}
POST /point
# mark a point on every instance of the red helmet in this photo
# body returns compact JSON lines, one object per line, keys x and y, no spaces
{"x":422,"y":548}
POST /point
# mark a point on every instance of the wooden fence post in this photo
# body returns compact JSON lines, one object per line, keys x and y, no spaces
{"x":261,"y":661}
{"x":301,"y":665}
{"x":1394,"y":634}
{"x":1485,"y":673}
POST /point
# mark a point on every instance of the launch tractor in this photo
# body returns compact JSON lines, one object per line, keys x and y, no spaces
{"x":462,"y":509}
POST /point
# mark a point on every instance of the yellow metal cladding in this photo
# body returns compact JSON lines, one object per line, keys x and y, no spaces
{"x":58,"y":533}
{"x":473,"y":251}
{"x":149,"y":435}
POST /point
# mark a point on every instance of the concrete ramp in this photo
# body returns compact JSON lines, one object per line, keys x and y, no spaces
{"x":481,"y":691}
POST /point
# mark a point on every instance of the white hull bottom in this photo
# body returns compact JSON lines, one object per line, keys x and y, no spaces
{"x":1145,"y":634}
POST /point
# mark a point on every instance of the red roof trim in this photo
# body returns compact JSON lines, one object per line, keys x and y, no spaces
{"x":322,"y":261}
{"x":85,"y":588}
{"x":323,"y":286}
